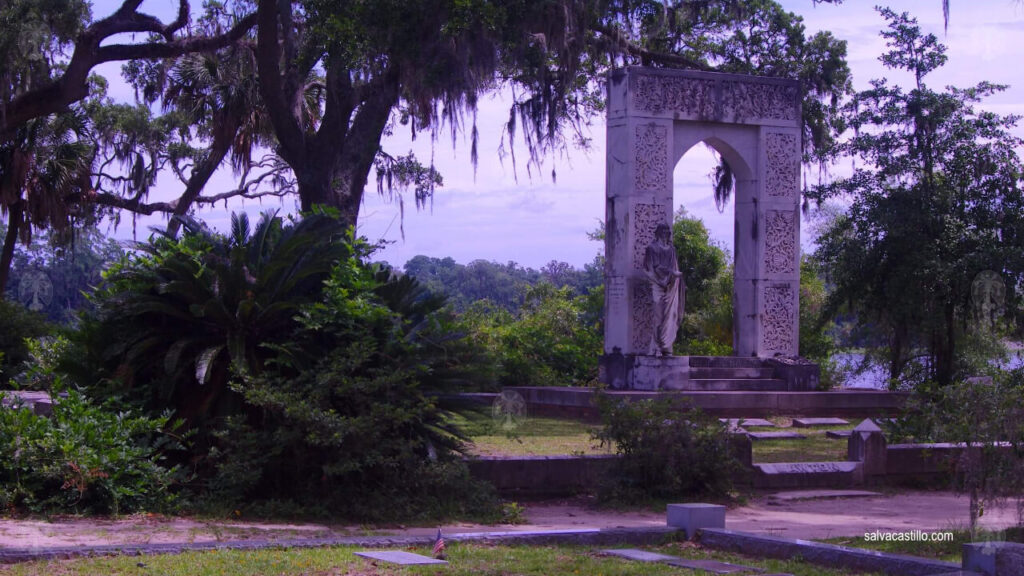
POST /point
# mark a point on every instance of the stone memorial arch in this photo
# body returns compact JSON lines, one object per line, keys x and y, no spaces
{"x":654,"y":117}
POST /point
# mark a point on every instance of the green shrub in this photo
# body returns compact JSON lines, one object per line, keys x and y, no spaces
{"x":83,"y":459}
{"x":17,"y":324}
{"x":351,"y":412}
{"x":553,"y":340}
{"x":668,"y":449}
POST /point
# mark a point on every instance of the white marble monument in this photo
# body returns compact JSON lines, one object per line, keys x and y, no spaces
{"x":654,"y":117}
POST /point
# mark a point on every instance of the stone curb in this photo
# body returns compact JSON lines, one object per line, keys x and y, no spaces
{"x":822,"y":554}
{"x":591,"y":537}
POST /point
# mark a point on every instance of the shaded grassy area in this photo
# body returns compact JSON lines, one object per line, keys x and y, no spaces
{"x":815,"y":448}
{"x":465,"y":560}
{"x":532,"y":437}
{"x":551,"y":436}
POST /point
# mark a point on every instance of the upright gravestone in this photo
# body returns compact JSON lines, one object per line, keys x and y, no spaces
{"x":654,"y":117}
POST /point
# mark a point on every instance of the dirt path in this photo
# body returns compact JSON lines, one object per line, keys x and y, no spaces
{"x":809,"y":519}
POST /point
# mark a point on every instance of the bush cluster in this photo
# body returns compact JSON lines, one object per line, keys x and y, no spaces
{"x":85,"y":459}
{"x":668,"y":449}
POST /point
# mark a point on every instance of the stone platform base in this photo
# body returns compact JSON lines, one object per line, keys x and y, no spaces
{"x":707,"y":373}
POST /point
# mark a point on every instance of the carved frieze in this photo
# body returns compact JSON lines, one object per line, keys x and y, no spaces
{"x":778,"y":319}
{"x":651,"y":158}
{"x":747,"y":101}
{"x":642,"y":317}
{"x":780,"y":243}
{"x":646,"y":218}
{"x":685,"y":96}
{"x":782,"y":178}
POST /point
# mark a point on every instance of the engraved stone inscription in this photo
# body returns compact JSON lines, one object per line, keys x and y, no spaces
{"x":615,"y":288}
{"x":651,"y":158}
{"x":685,"y":96}
{"x":746,"y":101}
{"x":782,"y":176}
{"x":780,"y":242}
{"x":646,"y":218}
{"x":643,"y":316}
{"x":809,"y":468}
{"x":778,"y":317}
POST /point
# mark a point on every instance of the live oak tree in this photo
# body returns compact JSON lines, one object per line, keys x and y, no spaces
{"x":319,"y":82}
{"x":936,"y":199}
{"x":48,"y":50}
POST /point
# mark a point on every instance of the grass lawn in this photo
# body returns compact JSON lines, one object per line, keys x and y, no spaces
{"x":551,"y":436}
{"x":815,"y":448}
{"x":465,"y":560}
{"x":532,"y":437}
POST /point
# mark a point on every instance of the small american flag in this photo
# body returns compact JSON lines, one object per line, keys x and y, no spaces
{"x":439,"y":546}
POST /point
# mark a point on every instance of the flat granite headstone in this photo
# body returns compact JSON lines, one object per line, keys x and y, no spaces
{"x":807,"y":467}
{"x":838,"y":434}
{"x":758,"y":422}
{"x":815,"y":494}
{"x":712,"y":566}
{"x":639,"y":555}
{"x":775,"y":436}
{"x":399,"y":557}
{"x":809,"y":422}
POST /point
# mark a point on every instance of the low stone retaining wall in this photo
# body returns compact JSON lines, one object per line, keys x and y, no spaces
{"x":585,"y":537}
{"x":579,"y":402}
{"x":542,"y":475}
{"x":822,"y":554}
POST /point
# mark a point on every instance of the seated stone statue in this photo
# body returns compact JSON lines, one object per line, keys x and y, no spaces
{"x":668,"y":289}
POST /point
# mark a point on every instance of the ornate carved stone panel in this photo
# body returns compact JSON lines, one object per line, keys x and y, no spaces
{"x":651,"y":158}
{"x":646,"y":218}
{"x":780,"y":242}
{"x":686,"y":96}
{"x":782,"y":176}
{"x":642,"y":317}
{"x":745,"y":101}
{"x":778,"y":318}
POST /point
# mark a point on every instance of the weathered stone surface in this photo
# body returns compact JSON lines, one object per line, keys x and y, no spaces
{"x":994,"y":558}
{"x":822,"y":554}
{"x":755,"y":122}
{"x":639,"y":555}
{"x":867,"y":445}
{"x":399,"y":557}
{"x":816,"y":494}
{"x":757,"y":422}
{"x":799,"y":475}
{"x":809,"y":422}
{"x":694,"y":516}
{"x":712,"y":566}
{"x":776,"y":436}
{"x":838,"y":434}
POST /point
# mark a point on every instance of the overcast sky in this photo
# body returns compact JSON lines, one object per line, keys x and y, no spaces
{"x":494,"y":215}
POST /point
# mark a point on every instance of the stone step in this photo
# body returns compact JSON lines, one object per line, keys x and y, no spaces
{"x":727,"y":384}
{"x":727,"y":373}
{"x":725,"y":362}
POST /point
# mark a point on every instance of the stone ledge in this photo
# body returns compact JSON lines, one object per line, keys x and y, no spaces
{"x":822,"y":554}
{"x":591,"y":537}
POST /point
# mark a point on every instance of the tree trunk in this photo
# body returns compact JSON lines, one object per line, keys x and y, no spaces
{"x":14,"y":222}
{"x":223,"y":136}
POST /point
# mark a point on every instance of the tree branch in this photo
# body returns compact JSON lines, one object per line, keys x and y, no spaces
{"x":623,"y":43}
{"x":268,"y":57}
{"x":72,"y":86}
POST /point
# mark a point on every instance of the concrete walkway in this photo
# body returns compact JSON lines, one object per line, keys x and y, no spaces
{"x":787,"y":516}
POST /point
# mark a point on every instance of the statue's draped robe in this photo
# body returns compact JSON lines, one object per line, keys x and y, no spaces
{"x":662,"y":267}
